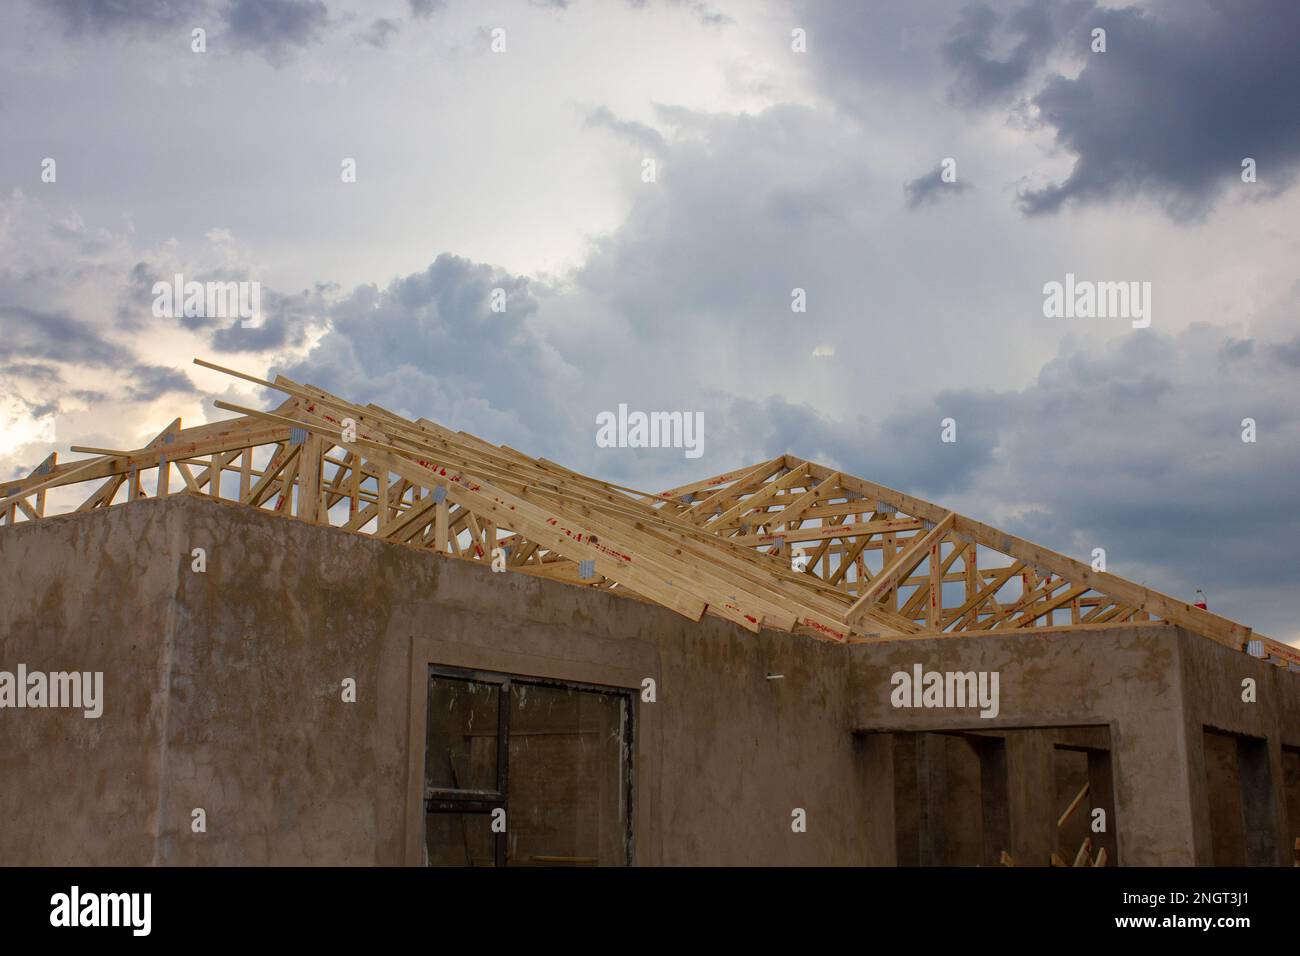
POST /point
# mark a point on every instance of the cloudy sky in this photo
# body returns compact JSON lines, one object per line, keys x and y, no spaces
{"x":782,"y":160}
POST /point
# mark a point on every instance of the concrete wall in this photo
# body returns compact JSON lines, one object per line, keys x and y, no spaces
{"x":87,"y":595}
{"x":1213,"y":676}
{"x":1156,"y":689}
{"x":1125,"y":679}
{"x":223,"y":692}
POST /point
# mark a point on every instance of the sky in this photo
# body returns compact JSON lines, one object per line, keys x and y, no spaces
{"x":921,"y":171}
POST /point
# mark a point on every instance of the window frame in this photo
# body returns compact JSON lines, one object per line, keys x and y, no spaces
{"x":444,"y":800}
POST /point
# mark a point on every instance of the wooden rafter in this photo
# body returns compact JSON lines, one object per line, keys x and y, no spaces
{"x":785,"y":543}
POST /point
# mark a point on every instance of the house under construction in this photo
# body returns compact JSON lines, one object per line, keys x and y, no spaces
{"x":329,"y":634}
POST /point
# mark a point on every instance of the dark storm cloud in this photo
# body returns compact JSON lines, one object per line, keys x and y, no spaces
{"x":270,"y":28}
{"x":423,"y":9}
{"x":1288,"y":353}
{"x":53,"y":336}
{"x":107,"y":16}
{"x":135,"y":300}
{"x":1026,"y":35}
{"x":1103,"y":452}
{"x":1234,"y":349}
{"x":1178,"y":100}
{"x":930,"y":188}
{"x":983,"y":76}
{"x":855,"y":49}
{"x":380,"y":31}
{"x":1184,"y":92}
{"x":148,"y":382}
{"x":37,"y":372}
{"x":285,"y":322}
{"x":917,"y":461}
{"x":56,"y":337}
{"x":430,"y":344}
{"x":1155,"y":469}
{"x":285,"y":319}
{"x":274,"y":28}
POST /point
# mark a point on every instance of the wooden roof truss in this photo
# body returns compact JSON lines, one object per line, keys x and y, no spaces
{"x":787,"y":543}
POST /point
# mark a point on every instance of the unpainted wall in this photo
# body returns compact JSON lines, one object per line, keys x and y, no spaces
{"x":224,"y":693}
{"x":1259,"y":704}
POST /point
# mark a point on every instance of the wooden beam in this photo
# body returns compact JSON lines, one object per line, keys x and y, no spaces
{"x":916,"y":552}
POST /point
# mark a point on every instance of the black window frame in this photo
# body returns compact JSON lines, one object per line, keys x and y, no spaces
{"x":444,"y":800}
